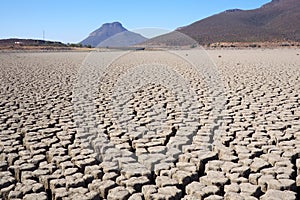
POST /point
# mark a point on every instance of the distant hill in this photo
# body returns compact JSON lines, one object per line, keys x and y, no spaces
{"x":112,"y":35}
{"x":277,"y":21}
{"x":30,"y":42}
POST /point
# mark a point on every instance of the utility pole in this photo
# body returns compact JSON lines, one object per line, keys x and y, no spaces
{"x":43,"y":34}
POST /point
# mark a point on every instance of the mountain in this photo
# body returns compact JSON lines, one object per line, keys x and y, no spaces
{"x":172,"y":39}
{"x":112,"y":35}
{"x":123,"y":39}
{"x":276,"y":21}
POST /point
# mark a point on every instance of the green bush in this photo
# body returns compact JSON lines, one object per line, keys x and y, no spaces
{"x":193,"y":46}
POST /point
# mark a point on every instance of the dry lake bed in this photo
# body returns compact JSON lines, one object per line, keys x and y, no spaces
{"x":141,"y":125}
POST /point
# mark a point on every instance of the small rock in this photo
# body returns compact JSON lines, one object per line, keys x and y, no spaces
{"x":105,"y":187}
{"x":136,"y":196}
{"x":15,"y":195}
{"x":162,"y":166}
{"x":4,"y":192}
{"x":182,"y":177}
{"x":243,"y":171}
{"x":94,"y":170}
{"x":36,"y":196}
{"x":57,"y":183}
{"x":172,"y":191}
{"x":282,"y":184}
{"x":92,"y":195}
{"x":214,"y":197}
{"x":148,"y":190}
{"x":137,"y":182}
{"x":59,"y":193}
{"x":234,"y":187}
{"x":233,"y":196}
{"x":214,"y":178}
{"x":163,"y":181}
{"x":252,"y":190}
{"x":110,"y":176}
{"x":277,"y":194}
{"x":258,"y":164}
{"x":74,"y":182}
{"x":118,"y":193}
{"x":195,"y":189}
{"x":298,"y":181}
{"x":253,"y":178}
{"x":263,"y":182}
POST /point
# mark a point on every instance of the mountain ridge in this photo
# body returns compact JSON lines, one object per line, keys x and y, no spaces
{"x":274,"y":21}
{"x":112,"y":35}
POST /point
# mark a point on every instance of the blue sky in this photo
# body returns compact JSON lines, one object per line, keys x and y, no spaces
{"x":73,"y":20}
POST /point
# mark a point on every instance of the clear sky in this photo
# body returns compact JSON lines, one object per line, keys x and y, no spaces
{"x":73,"y":20}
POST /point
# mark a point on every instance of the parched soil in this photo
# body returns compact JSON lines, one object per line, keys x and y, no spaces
{"x":141,"y":125}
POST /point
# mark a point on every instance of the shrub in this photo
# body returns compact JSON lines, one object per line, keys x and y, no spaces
{"x":253,"y":45}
